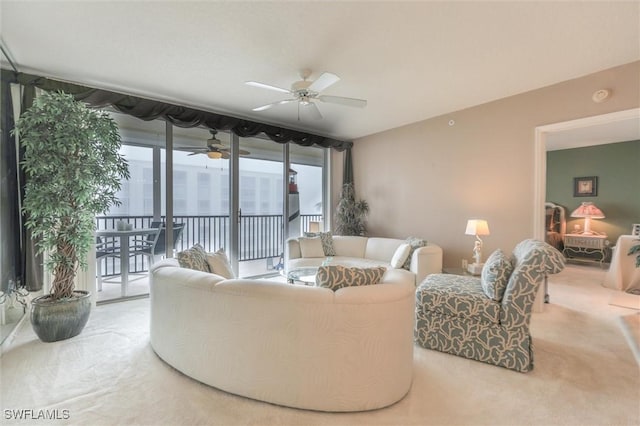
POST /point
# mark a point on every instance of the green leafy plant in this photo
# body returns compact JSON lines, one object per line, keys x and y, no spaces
{"x":635,"y":250}
{"x":73,"y":171}
{"x":351,"y":213}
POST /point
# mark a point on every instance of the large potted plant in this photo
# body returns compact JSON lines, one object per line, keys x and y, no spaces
{"x":73,"y":171}
{"x":351,"y":214}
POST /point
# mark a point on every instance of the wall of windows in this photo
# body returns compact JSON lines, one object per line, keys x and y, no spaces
{"x":203,"y":190}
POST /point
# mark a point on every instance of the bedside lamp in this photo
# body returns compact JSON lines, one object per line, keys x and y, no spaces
{"x":477,"y":227}
{"x":589,"y":211}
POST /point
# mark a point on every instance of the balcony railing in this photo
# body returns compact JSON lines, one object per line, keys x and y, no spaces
{"x":261,"y":236}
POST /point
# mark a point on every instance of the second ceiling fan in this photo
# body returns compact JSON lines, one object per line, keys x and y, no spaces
{"x":306,"y":92}
{"x":215,"y":149}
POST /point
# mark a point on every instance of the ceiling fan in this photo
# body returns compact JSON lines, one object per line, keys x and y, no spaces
{"x":306,"y":92}
{"x":215,"y":148}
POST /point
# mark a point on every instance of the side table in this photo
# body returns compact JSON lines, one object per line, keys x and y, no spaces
{"x":590,"y":248}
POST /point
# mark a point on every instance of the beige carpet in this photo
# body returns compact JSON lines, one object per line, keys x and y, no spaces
{"x":631,"y":330}
{"x":585,"y":374}
{"x":625,"y":300}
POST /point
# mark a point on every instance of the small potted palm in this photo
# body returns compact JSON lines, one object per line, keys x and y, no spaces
{"x":351,"y":214}
{"x":73,"y":171}
{"x":635,"y":250}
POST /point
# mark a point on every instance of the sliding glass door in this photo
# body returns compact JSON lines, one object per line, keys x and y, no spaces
{"x":260,"y":206}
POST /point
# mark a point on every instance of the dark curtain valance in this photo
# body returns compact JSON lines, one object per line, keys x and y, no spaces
{"x":180,"y":116}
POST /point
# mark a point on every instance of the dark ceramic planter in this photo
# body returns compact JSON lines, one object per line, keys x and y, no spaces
{"x":62,"y":319}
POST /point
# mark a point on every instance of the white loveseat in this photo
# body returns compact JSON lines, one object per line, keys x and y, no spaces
{"x":367,"y":252}
{"x":300,"y":346}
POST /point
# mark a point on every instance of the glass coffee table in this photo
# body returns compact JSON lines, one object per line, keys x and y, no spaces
{"x":306,"y":276}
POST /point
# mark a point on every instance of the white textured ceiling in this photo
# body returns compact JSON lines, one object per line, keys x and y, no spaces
{"x":410,"y":60}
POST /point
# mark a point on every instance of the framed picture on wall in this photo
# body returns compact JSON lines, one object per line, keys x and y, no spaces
{"x":585,"y":186}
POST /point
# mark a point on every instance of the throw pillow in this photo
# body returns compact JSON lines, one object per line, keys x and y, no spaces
{"x":400,"y":256}
{"x":311,"y":247}
{"x":327,"y":241}
{"x":415,"y":243}
{"x":495,"y":275}
{"x":219,"y":264}
{"x":338,"y":276}
{"x":194,"y":258}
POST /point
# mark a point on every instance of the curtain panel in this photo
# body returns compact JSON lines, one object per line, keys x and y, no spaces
{"x":146,"y":109}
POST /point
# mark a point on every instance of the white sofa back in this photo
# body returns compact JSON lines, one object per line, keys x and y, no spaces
{"x":349,"y":246}
{"x":293,"y":345}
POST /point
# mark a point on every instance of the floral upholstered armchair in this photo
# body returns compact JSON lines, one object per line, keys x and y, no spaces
{"x":487,"y":318}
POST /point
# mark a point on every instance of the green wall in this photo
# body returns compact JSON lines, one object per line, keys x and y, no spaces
{"x":617,"y":167}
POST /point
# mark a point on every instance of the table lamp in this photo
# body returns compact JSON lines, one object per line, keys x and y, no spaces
{"x":589,"y":211}
{"x":314,"y":227}
{"x":477,"y":227}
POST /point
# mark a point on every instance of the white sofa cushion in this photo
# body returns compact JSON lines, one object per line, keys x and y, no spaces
{"x":381,"y":248}
{"x":219,"y":264}
{"x":350,"y":246}
{"x":400,"y":256}
{"x":311,"y":247}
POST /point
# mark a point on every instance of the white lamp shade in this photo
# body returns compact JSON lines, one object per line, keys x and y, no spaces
{"x":477,"y":227}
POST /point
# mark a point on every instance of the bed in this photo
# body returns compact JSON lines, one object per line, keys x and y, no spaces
{"x":556,"y":225}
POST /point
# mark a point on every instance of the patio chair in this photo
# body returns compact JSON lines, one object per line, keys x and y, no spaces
{"x":155,"y":245}
{"x":104,"y":249}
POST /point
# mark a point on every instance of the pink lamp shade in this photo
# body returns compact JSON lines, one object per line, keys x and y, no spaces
{"x":589,"y":211}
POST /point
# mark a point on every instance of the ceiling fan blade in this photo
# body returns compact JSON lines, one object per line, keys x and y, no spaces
{"x":264,"y":107}
{"x":352,"y":102}
{"x":324,"y":81}
{"x":195,"y":153}
{"x":266,"y":86}
{"x":312,"y":111}
{"x":225,"y":155}
{"x":226,"y":149}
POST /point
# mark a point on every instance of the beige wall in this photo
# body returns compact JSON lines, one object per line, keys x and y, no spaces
{"x":426,"y":179}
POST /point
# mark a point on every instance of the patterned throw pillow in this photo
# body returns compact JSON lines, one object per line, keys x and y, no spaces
{"x":415,"y":243}
{"x":194,"y":258}
{"x":311,"y":247}
{"x":219,"y":264}
{"x":337,"y":276}
{"x":400,"y":256}
{"x":495,"y":275}
{"x":327,"y":241}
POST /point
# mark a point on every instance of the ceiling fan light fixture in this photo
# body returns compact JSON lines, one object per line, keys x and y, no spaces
{"x":214,"y":155}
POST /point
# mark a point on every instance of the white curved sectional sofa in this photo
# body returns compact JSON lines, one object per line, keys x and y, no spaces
{"x":294,"y":345}
{"x":366,"y":252}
